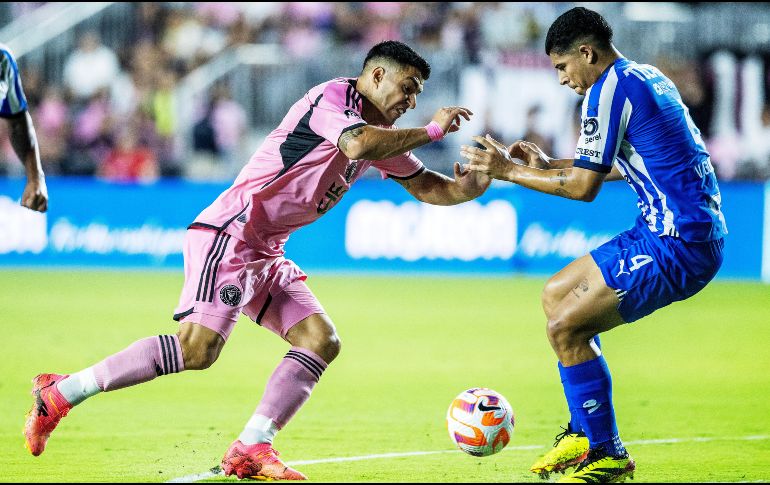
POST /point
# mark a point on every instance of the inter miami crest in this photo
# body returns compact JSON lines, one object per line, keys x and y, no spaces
{"x":230,"y":295}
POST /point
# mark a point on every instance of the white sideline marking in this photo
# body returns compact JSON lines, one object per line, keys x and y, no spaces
{"x":216,"y":471}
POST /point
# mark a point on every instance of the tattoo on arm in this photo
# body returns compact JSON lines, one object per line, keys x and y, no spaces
{"x":348,"y":136}
{"x":562,"y":177}
{"x":583,"y":286}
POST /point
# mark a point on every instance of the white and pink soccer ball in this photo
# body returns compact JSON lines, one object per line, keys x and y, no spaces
{"x":480,"y":421}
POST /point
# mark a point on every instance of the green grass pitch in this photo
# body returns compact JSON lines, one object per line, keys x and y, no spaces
{"x":695,"y":375}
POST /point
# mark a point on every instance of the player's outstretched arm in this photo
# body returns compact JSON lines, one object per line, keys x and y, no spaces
{"x":533,"y":156}
{"x":24,"y":142}
{"x":437,"y":189}
{"x":571,"y":183}
{"x":373,"y":143}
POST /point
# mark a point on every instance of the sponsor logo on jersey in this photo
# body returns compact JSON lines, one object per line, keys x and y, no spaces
{"x":589,"y":153}
{"x":589,"y":139}
{"x":331,"y":196}
{"x":590,"y":125}
{"x":352,"y":114}
{"x":230,"y":295}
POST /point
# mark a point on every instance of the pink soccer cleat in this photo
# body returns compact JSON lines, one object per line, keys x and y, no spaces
{"x":259,"y":461}
{"x":49,"y":407}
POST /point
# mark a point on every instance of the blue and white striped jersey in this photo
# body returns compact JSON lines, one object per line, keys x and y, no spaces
{"x":11,"y":93}
{"x":633,"y":116}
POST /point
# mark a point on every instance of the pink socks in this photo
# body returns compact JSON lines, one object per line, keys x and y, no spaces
{"x":142,"y":361}
{"x":290,"y":385}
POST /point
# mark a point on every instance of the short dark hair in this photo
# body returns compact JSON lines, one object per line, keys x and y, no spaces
{"x":577,"y":24}
{"x":400,"y":53}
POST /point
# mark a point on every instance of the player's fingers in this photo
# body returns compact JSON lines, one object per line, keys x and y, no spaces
{"x":471,"y":150}
{"x":496,"y":143}
{"x":470,"y":156}
{"x":515,"y":149}
{"x":531,"y":145}
{"x":483,"y":141}
{"x":457,"y":169}
{"x":475,"y":167}
{"x":465,"y":113}
{"x":459,"y":110}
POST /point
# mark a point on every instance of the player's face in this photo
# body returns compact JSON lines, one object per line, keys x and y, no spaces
{"x":574,"y":70}
{"x":397,"y":92}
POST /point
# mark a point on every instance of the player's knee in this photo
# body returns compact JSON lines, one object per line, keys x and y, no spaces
{"x":326,"y":345}
{"x":331,"y":348}
{"x":318,"y":335}
{"x":566,"y":336}
{"x":199,"y":352}
{"x":549,"y":298}
{"x":561,"y":334}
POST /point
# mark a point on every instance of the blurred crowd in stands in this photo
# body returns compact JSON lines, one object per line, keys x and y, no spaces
{"x":113,"y":114}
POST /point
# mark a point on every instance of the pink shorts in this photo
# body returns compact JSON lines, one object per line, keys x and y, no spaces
{"x":224,"y":277}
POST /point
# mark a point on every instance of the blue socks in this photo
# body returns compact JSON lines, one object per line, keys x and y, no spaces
{"x":574,"y":425}
{"x":588,"y":388}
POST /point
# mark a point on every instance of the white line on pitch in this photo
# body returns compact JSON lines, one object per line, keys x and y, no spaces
{"x":217,"y":471}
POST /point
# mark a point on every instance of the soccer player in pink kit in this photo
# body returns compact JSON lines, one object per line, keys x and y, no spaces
{"x":234,"y":251}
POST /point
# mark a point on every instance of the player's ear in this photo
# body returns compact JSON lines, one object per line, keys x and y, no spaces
{"x":588,"y":53}
{"x":378,"y":74}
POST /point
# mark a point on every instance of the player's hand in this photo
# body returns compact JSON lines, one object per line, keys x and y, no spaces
{"x":450,"y":117}
{"x":493,"y":160}
{"x":470,"y":182}
{"x":35,"y":195}
{"x":529,"y":153}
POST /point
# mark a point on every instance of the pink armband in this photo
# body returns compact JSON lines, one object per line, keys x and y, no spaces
{"x":435,"y":133}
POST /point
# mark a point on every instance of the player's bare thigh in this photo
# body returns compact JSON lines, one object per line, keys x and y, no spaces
{"x":582,"y":306}
{"x":565,"y":281}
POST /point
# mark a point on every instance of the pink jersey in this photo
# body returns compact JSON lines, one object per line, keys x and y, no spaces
{"x":298,"y":173}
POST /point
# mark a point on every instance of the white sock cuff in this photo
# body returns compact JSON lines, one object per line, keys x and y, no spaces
{"x":259,"y":429}
{"x":79,"y":386}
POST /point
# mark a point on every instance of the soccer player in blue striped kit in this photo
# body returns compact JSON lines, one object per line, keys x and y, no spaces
{"x":634,"y":127}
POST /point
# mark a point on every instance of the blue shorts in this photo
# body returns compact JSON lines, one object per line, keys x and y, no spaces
{"x":649,"y":272}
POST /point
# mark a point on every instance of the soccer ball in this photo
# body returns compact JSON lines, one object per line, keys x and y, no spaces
{"x":480,"y":421}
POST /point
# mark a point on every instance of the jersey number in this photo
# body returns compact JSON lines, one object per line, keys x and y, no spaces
{"x":636,"y":263}
{"x":639,"y":261}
